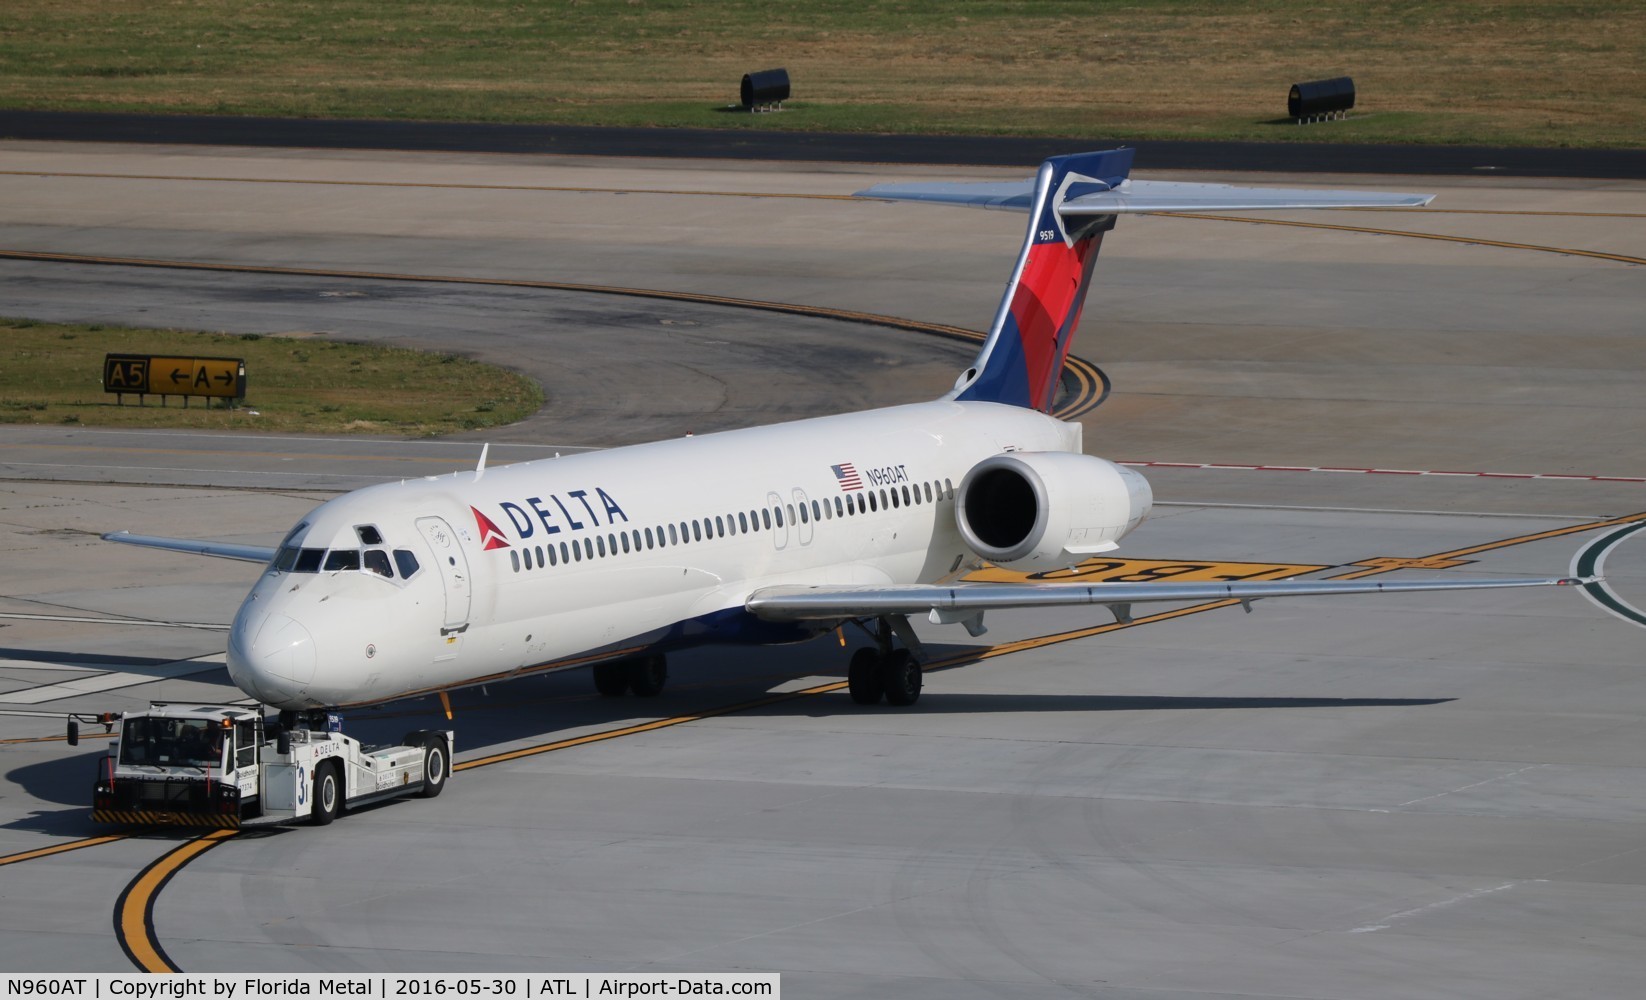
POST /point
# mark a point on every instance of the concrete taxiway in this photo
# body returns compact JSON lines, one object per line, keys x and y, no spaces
{"x":1424,"y":797}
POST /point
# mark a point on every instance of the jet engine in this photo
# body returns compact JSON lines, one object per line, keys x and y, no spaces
{"x":1038,"y":511}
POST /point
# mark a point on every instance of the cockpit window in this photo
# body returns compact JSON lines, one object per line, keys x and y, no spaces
{"x":407,"y":563}
{"x":308,"y":561}
{"x":285,"y":559}
{"x":377,"y":561}
{"x":369,"y":535}
{"x":342,"y":559}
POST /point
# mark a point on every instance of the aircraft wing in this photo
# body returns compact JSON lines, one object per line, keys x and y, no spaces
{"x":959,"y":601}
{"x":226,"y":550}
{"x":1143,"y":196}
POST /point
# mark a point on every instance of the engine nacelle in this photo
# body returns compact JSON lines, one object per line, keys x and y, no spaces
{"x":1043,"y":510}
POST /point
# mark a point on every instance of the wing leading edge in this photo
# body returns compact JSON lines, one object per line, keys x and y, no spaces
{"x":958,"y":601}
{"x":224,"y":550}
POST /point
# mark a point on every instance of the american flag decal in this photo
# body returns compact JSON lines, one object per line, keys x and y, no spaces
{"x":846,"y":473}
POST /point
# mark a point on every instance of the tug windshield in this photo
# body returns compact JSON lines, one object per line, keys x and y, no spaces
{"x":159,"y":742}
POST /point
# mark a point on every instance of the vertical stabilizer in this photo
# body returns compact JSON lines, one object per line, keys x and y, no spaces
{"x":1022,"y":359}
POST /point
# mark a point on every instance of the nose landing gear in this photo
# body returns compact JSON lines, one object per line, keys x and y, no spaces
{"x":883,"y":671}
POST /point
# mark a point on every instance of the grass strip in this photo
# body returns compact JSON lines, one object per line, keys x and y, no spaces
{"x":1494,"y":72}
{"x":51,"y":373}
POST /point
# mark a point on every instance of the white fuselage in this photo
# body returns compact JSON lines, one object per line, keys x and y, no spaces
{"x":558,"y":562}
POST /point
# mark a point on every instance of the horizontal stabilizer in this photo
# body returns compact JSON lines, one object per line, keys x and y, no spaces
{"x":223,"y":550}
{"x":830,"y":603}
{"x":1134,"y":196}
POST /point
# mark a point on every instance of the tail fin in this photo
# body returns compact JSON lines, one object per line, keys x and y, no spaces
{"x":1022,"y":359}
{"x":1071,"y":203}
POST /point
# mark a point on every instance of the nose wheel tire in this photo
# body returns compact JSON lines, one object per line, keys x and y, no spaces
{"x":863,"y":677}
{"x":436,"y":765}
{"x":901,"y":678}
{"x":328,"y":795}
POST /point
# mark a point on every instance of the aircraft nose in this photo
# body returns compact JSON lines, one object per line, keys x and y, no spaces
{"x":272,"y":658}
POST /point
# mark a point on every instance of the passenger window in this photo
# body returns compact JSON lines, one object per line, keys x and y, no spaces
{"x":906,"y":500}
{"x":742,"y":523}
{"x":577,"y":550}
{"x":308,"y":561}
{"x":648,"y":538}
{"x":377,"y":561}
{"x":602,"y":543}
{"x":719,"y":527}
{"x":839,"y":511}
{"x":766,"y":518}
{"x":816,"y":512}
{"x":368,"y":533}
{"x":526,"y":555}
{"x":552,"y":560}
{"x":339,"y":560}
{"x":928,"y":492}
{"x":791,"y":513}
{"x":565,"y":555}
{"x":625,"y":542}
{"x":697,"y":532}
{"x":674,"y":536}
{"x":407,"y":563}
{"x":895,"y":501}
{"x":514,"y":560}
{"x":872,"y":504}
{"x":805,"y":518}
{"x":948,"y":490}
{"x":588,"y":549}
{"x":539,"y":554}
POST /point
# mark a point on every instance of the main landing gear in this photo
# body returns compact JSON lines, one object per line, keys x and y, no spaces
{"x":883,"y":671}
{"x":644,"y":675}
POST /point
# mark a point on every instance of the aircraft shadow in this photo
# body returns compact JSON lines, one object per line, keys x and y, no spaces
{"x":988,"y":704}
{"x":48,"y":656}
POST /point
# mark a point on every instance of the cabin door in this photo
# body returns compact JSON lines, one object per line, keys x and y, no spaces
{"x":454,"y":570}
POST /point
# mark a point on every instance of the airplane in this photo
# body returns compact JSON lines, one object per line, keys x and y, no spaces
{"x":769,"y":534}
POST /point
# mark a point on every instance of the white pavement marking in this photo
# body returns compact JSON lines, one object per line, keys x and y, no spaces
{"x":111,"y":680}
{"x":89,"y":620}
{"x":1403,"y":914}
{"x":1383,"y":472}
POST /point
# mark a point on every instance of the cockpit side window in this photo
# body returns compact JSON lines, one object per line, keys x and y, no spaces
{"x":285,"y":559}
{"x":377,"y":561}
{"x":407,"y":562}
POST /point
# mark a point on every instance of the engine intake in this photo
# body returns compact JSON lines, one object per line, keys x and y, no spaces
{"x":1037,"y":511}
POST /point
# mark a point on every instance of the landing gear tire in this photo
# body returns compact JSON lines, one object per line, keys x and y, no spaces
{"x":648,"y":675}
{"x":436,"y":765}
{"x":611,"y":679}
{"x":901,"y":678}
{"x":863,"y":677}
{"x":328,"y":795}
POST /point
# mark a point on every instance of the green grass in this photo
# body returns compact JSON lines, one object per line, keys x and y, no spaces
{"x":1516,"y":72}
{"x":51,"y":373}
